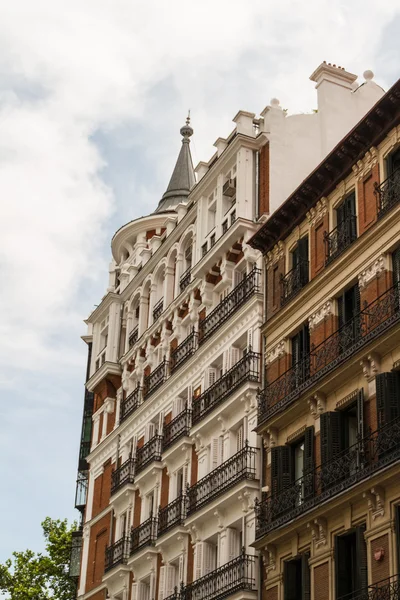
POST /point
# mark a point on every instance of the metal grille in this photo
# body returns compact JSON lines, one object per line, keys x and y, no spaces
{"x":131,"y":402}
{"x":144,"y":535}
{"x":294,"y":281}
{"x":386,"y":589}
{"x":388,"y":193}
{"x":158,"y":309}
{"x":123,"y":475}
{"x":360,"y":461}
{"x":177,"y":428}
{"x":237,"y":468}
{"x":246,"y":369}
{"x":233,"y":301}
{"x":133,"y":336}
{"x":183,"y":351}
{"x":155,"y":379}
{"x":370,"y":322}
{"x":117,"y":554}
{"x":340,"y":238}
{"x":148,"y":453}
{"x":185,"y":279}
{"x":170,"y":516}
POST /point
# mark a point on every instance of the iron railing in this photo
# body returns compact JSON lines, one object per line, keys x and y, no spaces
{"x":133,"y":336}
{"x":171,"y":515}
{"x":340,"y":238}
{"x":239,"y":467}
{"x":294,"y":281}
{"x":246,"y":369}
{"x":177,"y":428}
{"x":374,"y":319}
{"x":185,"y":279}
{"x":123,"y":475}
{"x":386,"y":589}
{"x":151,"y":451}
{"x":144,"y":535}
{"x":237,"y":574}
{"x":233,"y":301}
{"x":183,"y":351}
{"x":117,"y":554}
{"x":360,"y":461}
{"x":388,"y":193}
{"x":130,"y":403}
{"x":156,"y":378}
{"x":158,"y":309}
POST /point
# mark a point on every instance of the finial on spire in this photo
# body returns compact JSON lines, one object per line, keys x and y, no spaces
{"x":186,"y":130}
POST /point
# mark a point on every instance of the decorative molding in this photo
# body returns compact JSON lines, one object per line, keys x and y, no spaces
{"x":371,"y":365}
{"x":318,"y":531}
{"x":270,"y":438}
{"x":372,"y":271}
{"x":270,"y":556}
{"x":317,"y":404}
{"x":276,"y":352}
{"x":317,"y":212}
{"x":347,"y":400}
{"x":275,"y":254}
{"x":365,"y":164}
{"x":322,"y":313}
{"x":376,"y":501}
{"x":296,"y":434}
{"x":250,"y":254}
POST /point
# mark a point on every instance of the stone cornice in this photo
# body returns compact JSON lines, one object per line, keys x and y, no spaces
{"x":373,"y":270}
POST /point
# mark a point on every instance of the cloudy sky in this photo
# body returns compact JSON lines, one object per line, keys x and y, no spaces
{"x":92,"y":96}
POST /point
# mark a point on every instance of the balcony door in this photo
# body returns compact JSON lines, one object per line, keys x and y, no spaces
{"x":351,"y":571}
{"x":301,"y":355}
{"x":393,"y":162}
{"x":296,"y":578}
{"x":349,"y":321}
{"x":346,"y":220}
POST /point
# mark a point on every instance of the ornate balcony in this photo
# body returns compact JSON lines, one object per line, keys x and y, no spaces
{"x":117,"y":554}
{"x":229,"y":305}
{"x":183,"y":351}
{"x":158,"y":309}
{"x":386,"y":589}
{"x":177,"y":428}
{"x":237,"y":574}
{"x":361,"y":461}
{"x":246,"y":369}
{"x":156,"y":378}
{"x":133,"y":336}
{"x":144,"y":535}
{"x":130,"y":403}
{"x":170,"y":516}
{"x":340,"y":238}
{"x":388,"y":193}
{"x":373,"y":320}
{"x":294,"y":281}
{"x":151,"y":451}
{"x":185,"y":279}
{"x":123,"y":475}
{"x":239,"y":467}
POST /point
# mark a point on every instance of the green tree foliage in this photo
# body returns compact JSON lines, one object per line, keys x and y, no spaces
{"x":35,"y":576}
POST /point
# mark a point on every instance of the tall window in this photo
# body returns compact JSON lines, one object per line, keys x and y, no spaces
{"x":393,"y":162}
{"x":351,"y":571}
{"x":301,"y":354}
{"x":346,"y":218}
{"x":349,"y":322}
{"x":296,"y":578}
{"x":298,"y":275}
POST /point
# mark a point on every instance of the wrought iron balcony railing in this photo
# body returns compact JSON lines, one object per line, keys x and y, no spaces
{"x":123,"y":475}
{"x":133,"y":336}
{"x":183,"y":351}
{"x":131,"y":403}
{"x":117,"y":554}
{"x":358,"y":462}
{"x":386,"y":589}
{"x":236,"y":575}
{"x":158,"y":309}
{"x":246,"y":369}
{"x":156,"y":378}
{"x":388,"y":193}
{"x":170,"y":516}
{"x":144,"y":535}
{"x":185,"y":279}
{"x":239,"y":467}
{"x":374,"y":319}
{"x":294,"y":281}
{"x":151,"y":451}
{"x":177,"y":428}
{"x":233,"y":301}
{"x":340,"y":238}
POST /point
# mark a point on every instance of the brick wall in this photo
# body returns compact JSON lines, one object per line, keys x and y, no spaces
{"x":321,"y":582}
{"x":271,"y":594}
{"x":277,"y":367}
{"x":317,"y":246}
{"x":194,"y":465}
{"x":102,"y":489}
{"x":164,"y":488}
{"x":110,"y":422}
{"x":137,"y":509}
{"x":367,"y":201}
{"x":273,"y":291}
{"x":101,"y":419}
{"x":101,"y":595}
{"x":99,"y":537}
{"x":380,"y":569}
{"x":190,"y":562}
{"x":263,"y":206}
{"x":374,"y":288}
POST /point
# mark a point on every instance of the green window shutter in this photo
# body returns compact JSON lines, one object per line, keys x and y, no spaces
{"x":360,"y":414}
{"x":286,"y":467}
{"x":341,"y":583}
{"x":309,"y":462}
{"x":332,"y":439}
{"x":275,"y":471}
{"x":396,"y":266}
{"x":305,"y":577}
{"x":303,"y":256}
{"x":362,"y":565}
{"x":387,"y":397}
{"x":290,"y":588}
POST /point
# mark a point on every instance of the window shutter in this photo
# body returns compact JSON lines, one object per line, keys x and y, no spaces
{"x":214,"y":453}
{"x":232,"y":540}
{"x":226,"y":360}
{"x":286,"y":466}
{"x":199,"y":560}
{"x":397,"y":526}
{"x":281,"y":468}
{"x":340,"y":566}
{"x":331,"y":435}
{"x":181,"y":568}
{"x":309,"y":462}
{"x":161,"y":584}
{"x":239,"y":438}
{"x":211,"y":376}
{"x":360,"y":413}
{"x":237,"y":277}
{"x":235,"y":356}
{"x":362,"y":566}
{"x":170,"y":580}
{"x":189,"y":397}
{"x":290,"y":591}
{"x":134,"y":595}
{"x":305,"y":577}
{"x":209,"y":556}
{"x":340,"y":307}
{"x":185,"y":477}
{"x":303,"y":257}
{"x":149,"y":432}
{"x":220,"y":449}
{"x":387,"y":397}
{"x":396,"y":266}
{"x":275,"y":473}
{"x":250,"y":340}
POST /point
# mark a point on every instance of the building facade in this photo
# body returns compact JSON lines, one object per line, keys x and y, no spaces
{"x":171,"y":461}
{"x":328,"y":522}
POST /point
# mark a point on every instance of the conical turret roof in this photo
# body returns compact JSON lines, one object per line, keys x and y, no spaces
{"x":182,"y":179}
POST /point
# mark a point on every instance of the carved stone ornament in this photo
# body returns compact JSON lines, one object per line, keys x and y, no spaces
{"x":318,"y":531}
{"x":317,"y":404}
{"x":270,"y":558}
{"x":276,"y":352}
{"x":374,"y":270}
{"x":250,"y":254}
{"x":270,"y":438}
{"x":365,"y":164}
{"x":371,"y":365}
{"x":275,"y":254}
{"x":322,"y":313}
{"x":376,"y":501}
{"x":318,"y":211}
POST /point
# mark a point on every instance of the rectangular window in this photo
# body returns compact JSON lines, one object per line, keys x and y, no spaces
{"x":393,"y":162}
{"x":349,"y":320}
{"x":301,"y":354}
{"x":351,"y":572}
{"x":204,"y":249}
{"x":296,"y":578}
